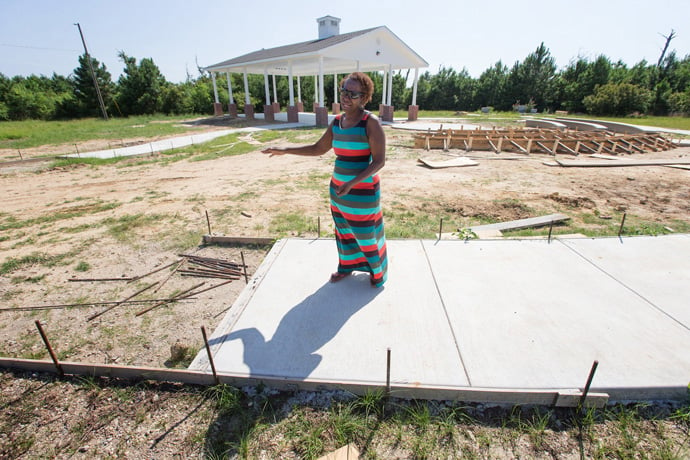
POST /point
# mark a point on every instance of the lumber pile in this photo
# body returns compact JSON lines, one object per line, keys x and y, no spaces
{"x":540,"y":140}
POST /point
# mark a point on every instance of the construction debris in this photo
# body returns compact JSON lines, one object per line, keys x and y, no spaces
{"x":538,"y":140}
{"x":459,"y":161}
{"x":616,"y":163}
{"x":531,"y":222}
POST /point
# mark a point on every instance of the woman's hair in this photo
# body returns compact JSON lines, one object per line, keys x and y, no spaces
{"x":364,"y":81}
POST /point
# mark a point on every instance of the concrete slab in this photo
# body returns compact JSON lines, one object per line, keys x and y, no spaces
{"x":515,"y":317}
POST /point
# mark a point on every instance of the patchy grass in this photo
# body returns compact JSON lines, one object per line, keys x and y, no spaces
{"x":34,"y":133}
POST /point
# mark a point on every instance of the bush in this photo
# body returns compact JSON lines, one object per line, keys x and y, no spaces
{"x":618,"y":99}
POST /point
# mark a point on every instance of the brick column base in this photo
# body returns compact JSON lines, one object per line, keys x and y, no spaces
{"x":381,"y":106}
{"x":387,"y":113}
{"x":300,"y":106}
{"x":249,"y":111}
{"x":321,"y":117}
{"x":315,"y":106}
{"x":232,"y":110}
{"x":412,"y":112}
{"x":293,"y":114}
{"x":268,"y":113}
{"x":336,"y":108}
{"x":217,"y":109}
{"x":276,"y":107}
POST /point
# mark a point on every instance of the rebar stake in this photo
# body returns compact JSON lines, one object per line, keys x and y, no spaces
{"x":595,"y":364}
{"x":53,"y":356}
{"x":20,"y":154}
{"x":388,"y":373}
{"x":440,"y":228}
{"x":208,"y":222}
{"x":620,"y":230}
{"x":550,"y":230}
{"x":318,"y":226}
{"x":210,"y":356}
{"x":244,"y":268}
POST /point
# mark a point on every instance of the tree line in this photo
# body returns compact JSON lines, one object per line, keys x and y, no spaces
{"x":598,"y":87}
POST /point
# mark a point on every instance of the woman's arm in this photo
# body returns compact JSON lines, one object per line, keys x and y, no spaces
{"x":320,"y":147}
{"x":377,"y":144}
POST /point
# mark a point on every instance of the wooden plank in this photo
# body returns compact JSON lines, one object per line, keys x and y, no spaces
{"x":545,"y":397}
{"x":460,"y":161}
{"x":530,"y":222}
{"x":594,"y":164}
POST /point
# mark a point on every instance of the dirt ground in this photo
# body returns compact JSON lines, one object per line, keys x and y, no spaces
{"x":128,"y":219}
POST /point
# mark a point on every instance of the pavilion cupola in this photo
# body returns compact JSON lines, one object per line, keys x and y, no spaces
{"x":328,"y":26}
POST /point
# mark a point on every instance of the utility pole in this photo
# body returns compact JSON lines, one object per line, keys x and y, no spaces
{"x":93,"y":74}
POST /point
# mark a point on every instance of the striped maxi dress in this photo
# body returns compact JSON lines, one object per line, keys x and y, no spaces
{"x":357,"y":216}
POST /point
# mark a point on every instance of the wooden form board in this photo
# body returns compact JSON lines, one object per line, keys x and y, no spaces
{"x":549,"y":141}
{"x":617,"y":163}
{"x":530,"y":222}
{"x":548,"y":397}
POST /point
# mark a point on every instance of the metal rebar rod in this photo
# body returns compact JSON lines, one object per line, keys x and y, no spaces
{"x":583,"y":398}
{"x":246,"y":278}
{"x":100,"y":279}
{"x":154,"y":271}
{"x":208,"y":221}
{"x":177,"y":267}
{"x":172,"y":299}
{"x":440,"y":228}
{"x":96,"y":315}
{"x":620,"y":230}
{"x":210,"y":356}
{"x":388,"y":372}
{"x":80,"y":305}
{"x":550,"y":230}
{"x":53,"y":356}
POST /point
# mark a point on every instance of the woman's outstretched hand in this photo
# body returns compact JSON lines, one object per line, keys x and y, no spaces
{"x":273,"y":151}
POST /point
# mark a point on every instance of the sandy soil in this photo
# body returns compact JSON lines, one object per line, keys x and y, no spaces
{"x":125,"y":220}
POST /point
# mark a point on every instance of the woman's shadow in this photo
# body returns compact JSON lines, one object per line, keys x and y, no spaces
{"x":308,"y":326}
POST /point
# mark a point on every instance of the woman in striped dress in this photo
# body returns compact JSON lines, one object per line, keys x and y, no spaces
{"x":359,"y":143}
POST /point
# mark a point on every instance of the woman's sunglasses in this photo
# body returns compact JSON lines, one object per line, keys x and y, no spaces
{"x":350,"y":94}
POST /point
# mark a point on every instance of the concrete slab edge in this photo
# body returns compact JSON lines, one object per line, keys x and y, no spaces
{"x":545,"y":397}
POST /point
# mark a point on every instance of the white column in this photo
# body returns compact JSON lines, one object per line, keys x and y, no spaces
{"x":246,"y":88}
{"x":230,"y":97}
{"x":275,"y":91}
{"x":299,"y":88}
{"x":215,"y":87}
{"x":292,"y":90}
{"x":358,"y":66}
{"x":316,"y":89}
{"x":335,"y":88}
{"x":384,"y":89}
{"x":322,"y":95}
{"x":390,"y":84}
{"x":414,"y":86}
{"x":268,"y":90}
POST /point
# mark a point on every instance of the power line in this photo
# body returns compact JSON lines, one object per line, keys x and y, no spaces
{"x":38,"y":47}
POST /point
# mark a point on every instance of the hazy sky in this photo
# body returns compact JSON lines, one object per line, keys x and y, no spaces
{"x":39,"y":36}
